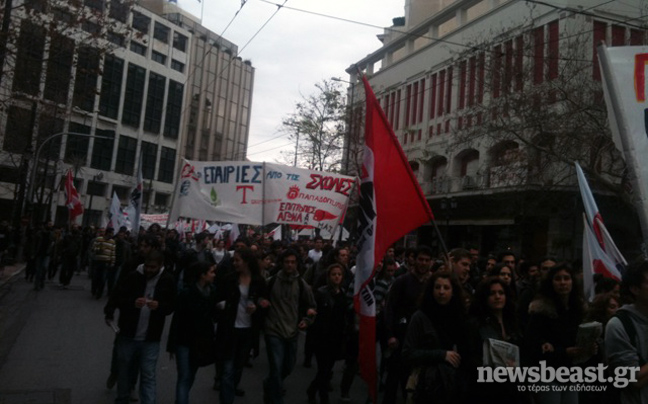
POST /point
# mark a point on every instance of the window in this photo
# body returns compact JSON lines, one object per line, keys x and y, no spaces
{"x":134,"y":95}
{"x":161,"y":200}
{"x":125,"y":163}
{"x":10,"y":174}
{"x":554,"y":52}
{"x":538,"y":54}
{"x":18,"y":134}
{"x":141,"y":22}
{"x":36,"y":5}
{"x":123,"y":193}
{"x":161,"y":32}
{"x":47,"y":127}
{"x":167,"y":163}
{"x":29,"y":58}
{"x":138,"y":48}
{"x":111,"y":86}
{"x":175,"y":65}
{"x":149,"y":157}
{"x":85,"y":84}
{"x":179,"y":42}
{"x":102,"y":150}
{"x":119,"y":10}
{"x":117,"y":39}
{"x":158,"y":57}
{"x":96,"y":188}
{"x":173,"y":110}
{"x":91,"y":27}
{"x":154,"y":103}
{"x":76,"y":149}
{"x":62,"y":16}
{"x":95,"y":4}
{"x":59,"y":69}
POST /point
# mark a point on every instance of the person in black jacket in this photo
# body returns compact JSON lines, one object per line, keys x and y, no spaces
{"x":144,"y":300}
{"x":191,"y":336}
{"x":330,"y":328}
{"x":436,"y":342}
{"x":240,"y":297}
{"x":554,"y":317}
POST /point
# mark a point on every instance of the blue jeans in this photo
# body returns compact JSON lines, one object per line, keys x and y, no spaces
{"x":186,"y":374}
{"x":127,"y":351}
{"x":282,"y":355}
{"x":233,"y":366}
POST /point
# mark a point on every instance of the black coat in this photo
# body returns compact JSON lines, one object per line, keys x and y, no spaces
{"x":193,"y":319}
{"x":332,"y":323}
{"x":134,"y":287}
{"x":228,"y":291}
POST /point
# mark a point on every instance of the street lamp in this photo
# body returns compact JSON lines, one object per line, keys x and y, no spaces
{"x":350,"y":123}
{"x":32,"y":177}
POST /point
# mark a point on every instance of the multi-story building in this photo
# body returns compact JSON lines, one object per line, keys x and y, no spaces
{"x":102,"y":86}
{"x":492,"y":102}
{"x":219,"y":94}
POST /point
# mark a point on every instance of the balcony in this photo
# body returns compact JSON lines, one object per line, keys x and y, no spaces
{"x":496,"y":179}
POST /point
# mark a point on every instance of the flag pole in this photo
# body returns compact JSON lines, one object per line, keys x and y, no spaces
{"x":443,"y":244}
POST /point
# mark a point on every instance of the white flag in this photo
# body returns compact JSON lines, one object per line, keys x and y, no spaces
{"x":115,"y":217}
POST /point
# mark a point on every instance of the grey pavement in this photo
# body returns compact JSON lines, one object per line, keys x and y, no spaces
{"x":56,"y":348}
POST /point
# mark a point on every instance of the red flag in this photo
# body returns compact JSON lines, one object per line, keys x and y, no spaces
{"x":75,"y":207}
{"x":391,"y":205}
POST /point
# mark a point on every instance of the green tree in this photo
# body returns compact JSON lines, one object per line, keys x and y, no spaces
{"x":318,"y":128}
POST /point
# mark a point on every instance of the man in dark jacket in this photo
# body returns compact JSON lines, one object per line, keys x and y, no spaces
{"x":144,"y":299}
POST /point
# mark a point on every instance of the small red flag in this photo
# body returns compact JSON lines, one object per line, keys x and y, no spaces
{"x":73,"y":203}
{"x":391,"y":205}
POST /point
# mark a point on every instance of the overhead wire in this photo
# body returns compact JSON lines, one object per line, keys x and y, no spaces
{"x":424,"y":36}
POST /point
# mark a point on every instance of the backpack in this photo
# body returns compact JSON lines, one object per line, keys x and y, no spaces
{"x":629,"y":327}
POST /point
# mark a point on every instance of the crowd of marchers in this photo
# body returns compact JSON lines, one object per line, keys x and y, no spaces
{"x":438,"y":316}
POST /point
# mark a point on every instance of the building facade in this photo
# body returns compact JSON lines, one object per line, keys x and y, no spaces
{"x":492,"y":102}
{"x":102,"y":87}
{"x":219,"y":95}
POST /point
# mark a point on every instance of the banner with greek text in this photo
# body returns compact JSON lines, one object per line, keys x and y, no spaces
{"x":261,"y":193}
{"x":304,"y":197}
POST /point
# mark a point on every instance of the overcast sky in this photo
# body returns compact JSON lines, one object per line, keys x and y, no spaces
{"x":294,"y":51}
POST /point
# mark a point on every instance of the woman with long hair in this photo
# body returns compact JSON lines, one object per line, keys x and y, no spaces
{"x":328,"y":331}
{"x":492,"y":317}
{"x":436,"y":341}
{"x":554,"y":317}
{"x":241,"y":296}
{"x":191,"y":335}
{"x":505,"y":273}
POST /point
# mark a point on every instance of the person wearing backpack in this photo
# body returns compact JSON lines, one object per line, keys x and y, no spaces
{"x":292,"y":308}
{"x":626,"y":334}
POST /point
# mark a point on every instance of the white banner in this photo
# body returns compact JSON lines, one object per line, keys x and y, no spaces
{"x":261,"y":193}
{"x":624,"y":71}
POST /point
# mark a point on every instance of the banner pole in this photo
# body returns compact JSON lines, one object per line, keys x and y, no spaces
{"x":263,"y":200}
{"x":174,"y":200}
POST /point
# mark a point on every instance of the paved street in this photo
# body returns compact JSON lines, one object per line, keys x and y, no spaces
{"x":55,"y":348}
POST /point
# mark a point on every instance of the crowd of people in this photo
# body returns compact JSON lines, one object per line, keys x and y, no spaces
{"x":437,"y":317}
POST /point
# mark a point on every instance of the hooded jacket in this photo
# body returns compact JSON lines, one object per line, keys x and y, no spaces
{"x":620,"y":351}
